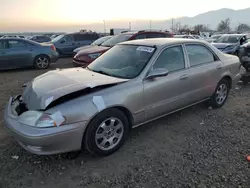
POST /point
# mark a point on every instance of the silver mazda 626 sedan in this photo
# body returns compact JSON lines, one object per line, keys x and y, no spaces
{"x":133,"y":83}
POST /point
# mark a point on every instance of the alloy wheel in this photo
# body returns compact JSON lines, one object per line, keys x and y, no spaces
{"x":109,"y":133}
{"x":221,"y":93}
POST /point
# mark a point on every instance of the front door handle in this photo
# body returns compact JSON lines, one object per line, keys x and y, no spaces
{"x":219,"y":67}
{"x":184,"y":77}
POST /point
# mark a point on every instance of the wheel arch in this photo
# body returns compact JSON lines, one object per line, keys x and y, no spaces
{"x":42,"y":55}
{"x":229,"y":79}
{"x":123,"y":109}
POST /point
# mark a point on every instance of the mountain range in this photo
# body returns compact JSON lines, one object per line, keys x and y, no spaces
{"x":210,"y":19}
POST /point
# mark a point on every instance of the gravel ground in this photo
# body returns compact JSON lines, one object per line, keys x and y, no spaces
{"x":196,"y":147}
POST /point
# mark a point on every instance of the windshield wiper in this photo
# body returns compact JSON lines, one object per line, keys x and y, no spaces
{"x":105,"y":45}
{"x":102,"y":72}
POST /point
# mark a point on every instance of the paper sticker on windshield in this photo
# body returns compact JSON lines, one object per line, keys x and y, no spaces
{"x":145,"y":49}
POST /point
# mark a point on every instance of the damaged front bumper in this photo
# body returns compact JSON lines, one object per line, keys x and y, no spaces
{"x":44,"y":141}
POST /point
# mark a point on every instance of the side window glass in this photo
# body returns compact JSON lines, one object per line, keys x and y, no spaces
{"x":68,"y":38}
{"x":199,"y":54}
{"x":79,"y":37}
{"x":154,"y":35}
{"x":16,"y":44}
{"x":171,"y":59}
{"x":140,"y":36}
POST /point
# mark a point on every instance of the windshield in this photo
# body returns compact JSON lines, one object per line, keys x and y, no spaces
{"x":123,"y":61}
{"x":100,"y":40}
{"x":115,"y":40}
{"x":216,"y":36}
{"x":228,"y":39}
{"x":56,"y":39}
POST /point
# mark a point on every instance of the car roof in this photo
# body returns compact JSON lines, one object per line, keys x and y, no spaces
{"x":140,"y":32}
{"x":235,"y":34}
{"x":159,"y":42}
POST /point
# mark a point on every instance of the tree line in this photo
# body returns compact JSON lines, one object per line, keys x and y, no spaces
{"x":224,"y":26}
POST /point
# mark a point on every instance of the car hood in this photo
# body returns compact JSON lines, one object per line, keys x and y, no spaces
{"x":83,"y":48}
{"x":45,"y":89}
{"x":223,"y":45}
{"x":93,"y":49}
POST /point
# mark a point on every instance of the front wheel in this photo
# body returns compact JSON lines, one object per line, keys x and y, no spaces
{"x":220,"y":95}
{"x":106,"y":133}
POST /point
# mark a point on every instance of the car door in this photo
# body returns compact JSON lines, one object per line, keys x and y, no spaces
{"x":67,"y":44}
{"x":3,"y":54}
{"x":18,"y":53}
{"x":205,"y":71}
{"x":165,"y":94}
{"x":80,"y":40}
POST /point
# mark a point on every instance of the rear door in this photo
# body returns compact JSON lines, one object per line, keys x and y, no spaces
{"x":19,"y":55}
{"x":67,"y":44}
{"x":85,"y":39}
{"x":205,"y":70}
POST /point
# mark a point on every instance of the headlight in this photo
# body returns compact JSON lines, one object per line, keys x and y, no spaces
{"x":30,"y":117}
{"x":94,"y":56}
{"x":41,"y":120}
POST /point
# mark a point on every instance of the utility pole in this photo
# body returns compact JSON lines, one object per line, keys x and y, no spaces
{"x":104,"y":25}
{"x":150,"y":23}
{"x":129,"y":26}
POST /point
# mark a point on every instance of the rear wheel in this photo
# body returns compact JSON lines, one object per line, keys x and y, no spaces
{"x":106,"y":133}
{"x":220,"y":95}
{"x":42,"y":62}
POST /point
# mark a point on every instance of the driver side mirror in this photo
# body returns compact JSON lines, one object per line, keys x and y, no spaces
{"x":62,"y":41}
{"x":154,"y":73}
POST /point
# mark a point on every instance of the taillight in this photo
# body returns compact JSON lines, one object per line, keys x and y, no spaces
{"x":53,"y":48}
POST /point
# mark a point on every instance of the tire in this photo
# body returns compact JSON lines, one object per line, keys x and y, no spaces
{"x":42,"y":62}
{"x":100,"y":132}
{"x":218,"y":100}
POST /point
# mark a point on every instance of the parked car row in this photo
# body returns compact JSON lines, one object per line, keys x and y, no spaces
{"x":132,"y":83}
{"x":86,"y":56}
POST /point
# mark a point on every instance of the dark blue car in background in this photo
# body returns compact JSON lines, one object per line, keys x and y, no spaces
{"x":40,"y":38}
{"x":65,"y":44}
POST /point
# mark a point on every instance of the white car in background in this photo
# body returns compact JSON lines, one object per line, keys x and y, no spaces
{"x":213,"y":38}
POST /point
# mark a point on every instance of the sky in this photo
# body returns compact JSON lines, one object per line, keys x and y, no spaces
{"x":22,"y":15}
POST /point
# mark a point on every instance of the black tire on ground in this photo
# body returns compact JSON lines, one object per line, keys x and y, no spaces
{"x":213,"y":101}
{"x":41,"y":62}
{"x":89,"y":139}
{"x":59,"y":52}
{"x":245,"y":80}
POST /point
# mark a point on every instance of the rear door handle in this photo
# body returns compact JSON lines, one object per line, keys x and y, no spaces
{"x":184,"y":77}
{"x":219,"y":67}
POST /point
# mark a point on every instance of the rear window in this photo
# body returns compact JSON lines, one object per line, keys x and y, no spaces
{"x":116,"y":39}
